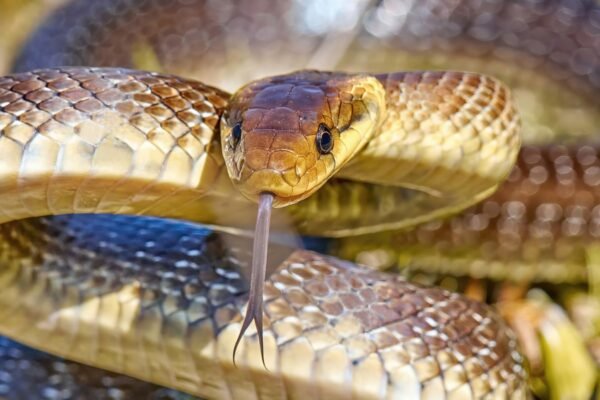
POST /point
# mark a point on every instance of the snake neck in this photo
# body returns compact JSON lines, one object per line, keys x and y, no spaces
{"x":448,"y":134}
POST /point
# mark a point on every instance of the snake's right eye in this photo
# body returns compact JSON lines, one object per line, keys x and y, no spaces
{"x":236,"y":133}
{"x":324,"y":139}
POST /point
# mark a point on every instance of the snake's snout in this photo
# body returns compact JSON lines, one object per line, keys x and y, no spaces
{"x":272,"y":159}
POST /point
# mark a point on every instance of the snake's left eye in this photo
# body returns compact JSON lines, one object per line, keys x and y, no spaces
{"x":236,"y":133}
{"x":324,"y":139}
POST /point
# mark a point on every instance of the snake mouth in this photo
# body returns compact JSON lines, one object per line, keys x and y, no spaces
{"x":268,"y":181}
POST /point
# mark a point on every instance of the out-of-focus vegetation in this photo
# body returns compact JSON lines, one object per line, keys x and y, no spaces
{"x":17,"y":19}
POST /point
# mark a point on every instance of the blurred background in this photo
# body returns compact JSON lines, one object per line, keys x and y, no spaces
{"x":531,"y":249}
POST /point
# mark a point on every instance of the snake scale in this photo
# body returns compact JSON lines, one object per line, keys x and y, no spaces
{"x":171,"y":297}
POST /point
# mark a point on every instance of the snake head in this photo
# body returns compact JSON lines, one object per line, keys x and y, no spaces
{"x":287,"y":135}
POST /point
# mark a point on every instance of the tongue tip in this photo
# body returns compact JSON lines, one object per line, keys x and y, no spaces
{"x":254,"y":311}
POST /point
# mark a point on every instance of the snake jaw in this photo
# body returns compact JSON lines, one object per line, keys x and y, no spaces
{"x":254,"y":310}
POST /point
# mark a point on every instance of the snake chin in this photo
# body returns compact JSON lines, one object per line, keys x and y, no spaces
{"x":271,"y":181}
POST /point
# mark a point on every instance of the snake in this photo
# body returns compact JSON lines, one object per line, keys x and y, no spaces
{"x":104,"y":176}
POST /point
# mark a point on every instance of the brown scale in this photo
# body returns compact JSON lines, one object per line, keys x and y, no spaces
{"x":540,"y":225}
{"x":314,"y":305}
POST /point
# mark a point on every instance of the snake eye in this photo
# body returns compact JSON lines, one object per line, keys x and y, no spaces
{"x":236,"y":133}
{"x":324,"y":139}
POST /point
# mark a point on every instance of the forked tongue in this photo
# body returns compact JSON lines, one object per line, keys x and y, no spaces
{"x":254,"y":311}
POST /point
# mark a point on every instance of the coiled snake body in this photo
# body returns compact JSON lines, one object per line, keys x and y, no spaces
{"x":88,"y":140}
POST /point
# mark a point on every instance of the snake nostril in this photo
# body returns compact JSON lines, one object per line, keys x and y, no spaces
{"x":300,"y":166}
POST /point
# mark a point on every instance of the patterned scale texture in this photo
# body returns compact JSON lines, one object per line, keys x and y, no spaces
{"x":179,"y":292}
{"x":541,"y":225}
{"x":27,"y":374}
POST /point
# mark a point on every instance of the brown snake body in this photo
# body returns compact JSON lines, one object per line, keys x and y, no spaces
{"x":95,"y":149}
{"x":540,"y":226}
{"x":466,"y":384}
